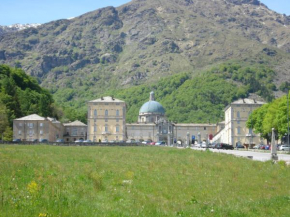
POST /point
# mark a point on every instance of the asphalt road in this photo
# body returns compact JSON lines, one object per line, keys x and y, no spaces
{"x":255,"y":155}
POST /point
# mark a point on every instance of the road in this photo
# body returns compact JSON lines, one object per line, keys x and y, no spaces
{"x":255,"y":155}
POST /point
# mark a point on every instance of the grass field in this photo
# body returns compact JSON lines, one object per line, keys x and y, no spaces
{"x":138,"y":181}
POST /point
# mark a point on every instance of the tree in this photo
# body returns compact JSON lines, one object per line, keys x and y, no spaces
{"x":8,"y":134}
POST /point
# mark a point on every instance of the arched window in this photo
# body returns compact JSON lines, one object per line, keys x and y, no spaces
{"x":117,"y":113}
{"x":95,"y":112}
{"x":106,"y":113}
{"x":95,"y":128}
{"x":117,"y":128}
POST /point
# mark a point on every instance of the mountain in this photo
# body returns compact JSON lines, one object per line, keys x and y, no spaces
{"x":17,"y":27}
{"x":145,"y":40}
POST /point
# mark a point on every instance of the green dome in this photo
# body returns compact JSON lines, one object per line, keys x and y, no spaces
{"x":152,"y":107}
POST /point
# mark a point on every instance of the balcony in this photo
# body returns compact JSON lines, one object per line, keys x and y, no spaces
{"x":250,"y":135}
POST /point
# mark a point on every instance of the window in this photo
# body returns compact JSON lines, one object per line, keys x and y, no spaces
{"x":95,"y":128}
{"x":31,"y":132}
{"x":106,"y":113}
{"x":117,"y":113}
{"x":250,"y":131}
{"x":106,"y":128}
{"x":106,"y":120}
{"x":238,"y":130}
{"x":238,"y":122}
{"x":41,"y":124}
{"x":19,"y":132}
{"x":117,"y":120}
{"x":74,"y":131}
{"x":204,"y":128}
{"x":95,"y":112}
{"x":20,"y":124}
{"x":30,"y":125}
{"x":41,"y":132}
{"x":238,"y":114}
{"x":95,"y":120}
{"x":117,"y":129}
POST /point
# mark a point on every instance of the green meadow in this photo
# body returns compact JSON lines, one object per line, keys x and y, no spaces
{"x":138,"y":181}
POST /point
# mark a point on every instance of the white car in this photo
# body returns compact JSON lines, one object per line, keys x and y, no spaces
{"x":284,"y":148}
{"x":203,"y":144}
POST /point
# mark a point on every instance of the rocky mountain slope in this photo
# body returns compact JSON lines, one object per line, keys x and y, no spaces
{"x":145,"y":40}
{"x":17,"y":27}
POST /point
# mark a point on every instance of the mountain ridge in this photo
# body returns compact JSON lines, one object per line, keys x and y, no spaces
{"x":143,"y":40}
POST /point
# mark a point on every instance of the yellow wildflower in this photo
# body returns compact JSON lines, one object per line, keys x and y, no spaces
{"x":32,"y":187}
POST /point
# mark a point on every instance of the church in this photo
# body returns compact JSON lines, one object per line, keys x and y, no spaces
{"x":153,"y":125}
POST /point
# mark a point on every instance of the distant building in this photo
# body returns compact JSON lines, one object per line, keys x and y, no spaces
{"x":74,"y":131}
{"x":35,"y":127}
{"x":235,"y":131}
{"x":106,"y":119}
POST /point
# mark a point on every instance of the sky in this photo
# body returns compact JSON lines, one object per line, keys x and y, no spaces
{"x":43,"y":11}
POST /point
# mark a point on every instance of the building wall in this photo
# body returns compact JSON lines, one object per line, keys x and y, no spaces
{"x":141,"y":131}
{"x":236,"y":131}
{"x":106,"y":126}
{"x":178,"y":132}
{"x":73,"y":133}
{"x":36,"y":130}
{"x":201,"y":132}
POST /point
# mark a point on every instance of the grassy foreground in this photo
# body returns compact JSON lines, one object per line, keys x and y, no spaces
{"x":138,"y":181}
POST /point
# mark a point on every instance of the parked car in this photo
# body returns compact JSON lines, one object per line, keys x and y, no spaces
{"x":203,"y":145}
{"x":240,"y":146}
{"x":257,"y":146}
{"x":105,"y":141}
{"x":147,"y":142}
{"x":79,"y":141}
{"x":60,"y":140}
{"x":87,"y":141}
{"x":284,"y":148}
{"x":43,"y":141}
{"x":152,"y":143}
{"x":16,"y":140}
{"x":160,"y":143}
{"x":213,"y":145}
{"x":224,"y":146}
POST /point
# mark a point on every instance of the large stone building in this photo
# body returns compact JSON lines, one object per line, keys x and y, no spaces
{"x":153,"y":125}
{"x":106,"y":119}
{"x":37,"y":128}
{"x":74,"y":131}
{"x":235,"y":131}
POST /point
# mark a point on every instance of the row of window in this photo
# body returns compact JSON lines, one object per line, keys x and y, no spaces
{"x":30,"y":125}
{"x":106,"y":113}
{"x":239,"y":130}
{"x":106,"y":120}
{"x":106,"y":128}
{"x":30,"y":132}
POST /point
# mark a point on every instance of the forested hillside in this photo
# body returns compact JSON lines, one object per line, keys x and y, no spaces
{"x":201,"y":98}
{"x":20,"y":95}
